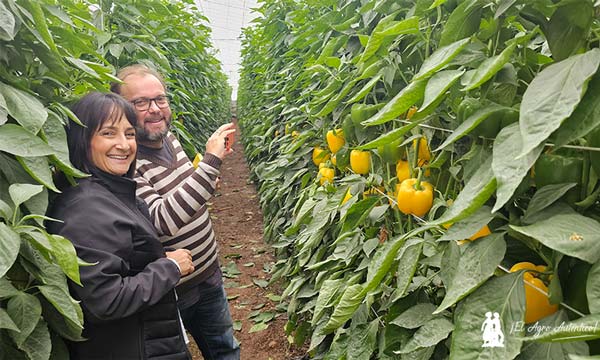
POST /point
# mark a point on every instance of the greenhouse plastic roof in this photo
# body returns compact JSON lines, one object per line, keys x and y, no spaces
{"x":226,"y":19}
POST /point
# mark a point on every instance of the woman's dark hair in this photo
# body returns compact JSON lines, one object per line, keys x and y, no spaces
{"x":94,"y":110}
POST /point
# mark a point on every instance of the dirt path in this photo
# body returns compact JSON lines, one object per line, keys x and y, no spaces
{"x":246,"y":261}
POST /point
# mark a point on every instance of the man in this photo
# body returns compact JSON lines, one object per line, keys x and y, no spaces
{"x":176,"y":195}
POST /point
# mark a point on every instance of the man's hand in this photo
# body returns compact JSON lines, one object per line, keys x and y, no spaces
{"x":184,"y":260}
{"x":216,"y":142}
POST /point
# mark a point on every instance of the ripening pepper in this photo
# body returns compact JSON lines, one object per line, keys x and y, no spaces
{"x":412,"y":200}
{"x":537,"y":305}
{"x":391,"y":152}
{"x":423,"y":153}
{"x":360,"y":161}
{"x":402,"y":170}
{"x":556,"y":169}
{"x":319,"y":155}
{"x":326,"y":175}
{"x":362,"y":112}
{"x":335,"y":140}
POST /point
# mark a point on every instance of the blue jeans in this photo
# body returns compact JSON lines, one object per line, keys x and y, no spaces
{"x":209,"y":321}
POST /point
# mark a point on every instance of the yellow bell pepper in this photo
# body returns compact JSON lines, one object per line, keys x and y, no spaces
{"x":537,"y":305}
{"x":360,"y":161}
{"x":319,"y":155}
{"x":423,"y":153}
{"x":326,"y":175}
{"x":402,"y":170}
{"x":335,"y":140}
{"x":412,"y":200}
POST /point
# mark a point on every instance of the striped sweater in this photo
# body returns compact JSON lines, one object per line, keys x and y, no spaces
{"x":176,"y":195}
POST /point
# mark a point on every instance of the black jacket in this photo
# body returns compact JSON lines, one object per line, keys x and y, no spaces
{"x":127,"y":298}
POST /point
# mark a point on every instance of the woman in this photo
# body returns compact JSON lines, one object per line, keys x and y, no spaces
{"x":127,"y":296}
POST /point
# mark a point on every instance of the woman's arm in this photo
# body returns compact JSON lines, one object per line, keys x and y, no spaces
{"x":110,"y":288}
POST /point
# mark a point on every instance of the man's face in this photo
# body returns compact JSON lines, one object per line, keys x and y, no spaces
{"x":153,"y":123}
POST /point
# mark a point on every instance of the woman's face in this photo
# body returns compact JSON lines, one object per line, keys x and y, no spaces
{"x":113,"y":146}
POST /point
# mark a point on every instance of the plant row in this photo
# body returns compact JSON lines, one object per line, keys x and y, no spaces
{"x":428,"y":172}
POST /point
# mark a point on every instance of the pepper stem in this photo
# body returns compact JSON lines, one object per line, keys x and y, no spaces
{"x":417,"y":185}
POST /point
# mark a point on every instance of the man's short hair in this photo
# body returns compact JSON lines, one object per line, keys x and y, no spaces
{"x":135,"y":69}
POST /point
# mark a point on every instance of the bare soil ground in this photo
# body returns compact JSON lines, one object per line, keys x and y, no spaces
{"x":246,"y":261}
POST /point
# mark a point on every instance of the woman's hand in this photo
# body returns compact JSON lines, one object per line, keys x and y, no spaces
{"x":184,"y":260}
{"x":216,"y":142}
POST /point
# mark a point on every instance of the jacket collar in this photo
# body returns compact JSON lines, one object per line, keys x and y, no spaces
{"x":122,"y":186}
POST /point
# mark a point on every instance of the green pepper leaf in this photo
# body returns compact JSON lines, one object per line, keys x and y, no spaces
{"x":592,"y":288}
{"x":572,"y":234}
{"x":9,"y":247}
{"x":553,"y":95}
{"x":476,"y":192}
{"x":584,"y":119}
{"x":406,"y":98}
{"x":23,"y":107}
{"x":477,"y":263}
{"x":415,"y":316}
{"x":440,"y":58}
{"x":350,"y":301}
{"x":463,"y":22}
{"x":545,"y":197}
{"x":407,"y":264}
{"x":509,"y":170}
{"x":25,"y":310}
{"x":7,"y":24}
{"x":471,"y":123}
{"x":15,"y":140}
{"x":437,"y":86}
{"x":568,"y":27}
{"x":504,"y":296}
{"x":489,"y":68}
{"x":428,"y":335}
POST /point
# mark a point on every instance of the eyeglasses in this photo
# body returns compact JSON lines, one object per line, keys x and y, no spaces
{"x":143,"y":104}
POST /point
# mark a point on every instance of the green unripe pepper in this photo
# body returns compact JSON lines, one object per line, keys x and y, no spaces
{"x":391,"y":152}
{"x":558,"y":169}
{"x":362,"y":112}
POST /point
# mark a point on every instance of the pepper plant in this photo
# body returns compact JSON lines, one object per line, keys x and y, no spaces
{"x":493,"y":103}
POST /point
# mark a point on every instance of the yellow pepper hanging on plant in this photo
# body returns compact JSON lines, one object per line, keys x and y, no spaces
{"x":360,"y":161}
{"x":537,"y":304}
{"x":326,"y":175}
{"x":415,"y":196}
{"x":335,"y":140}
{"x":319,"y":155}
{"x":423,"y":153}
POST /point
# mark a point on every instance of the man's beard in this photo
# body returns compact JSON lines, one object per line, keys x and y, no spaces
{"x":144,"y":135}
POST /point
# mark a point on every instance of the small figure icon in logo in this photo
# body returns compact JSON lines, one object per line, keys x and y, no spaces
{"x":492,"y":330}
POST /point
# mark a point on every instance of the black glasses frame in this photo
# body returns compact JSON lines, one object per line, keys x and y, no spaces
{"x":143,"y":104}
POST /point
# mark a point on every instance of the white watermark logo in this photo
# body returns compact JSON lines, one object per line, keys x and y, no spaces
{"x":492,"y":330}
